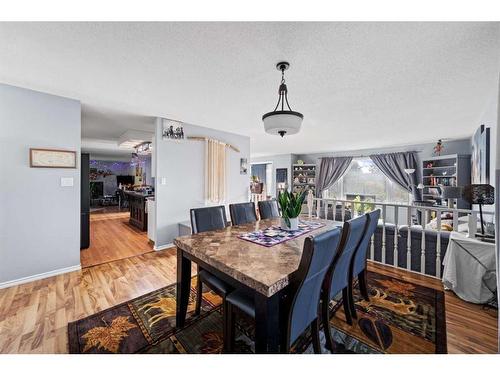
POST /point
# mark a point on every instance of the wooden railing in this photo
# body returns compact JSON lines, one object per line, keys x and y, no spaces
{"x":416,"y":218}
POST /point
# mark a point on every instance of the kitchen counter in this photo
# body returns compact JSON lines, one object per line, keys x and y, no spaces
{"x":138,"y":210}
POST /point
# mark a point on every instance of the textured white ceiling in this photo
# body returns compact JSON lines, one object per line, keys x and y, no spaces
{"x":359,"y":85}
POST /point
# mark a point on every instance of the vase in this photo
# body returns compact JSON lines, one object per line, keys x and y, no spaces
{"x":294,"y":224}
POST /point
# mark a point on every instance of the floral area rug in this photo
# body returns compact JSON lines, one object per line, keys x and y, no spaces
{"x":401,"y":317}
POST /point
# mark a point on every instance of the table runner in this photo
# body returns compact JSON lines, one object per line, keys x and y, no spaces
{"x":274,"y":235}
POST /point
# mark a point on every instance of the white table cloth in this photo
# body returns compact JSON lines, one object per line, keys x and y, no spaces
{"x":469,"y":268}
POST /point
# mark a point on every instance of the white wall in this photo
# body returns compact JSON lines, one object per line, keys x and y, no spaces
{"x":425,"y":150}
{"x":183,"y":166}
{"x":39,"y":219}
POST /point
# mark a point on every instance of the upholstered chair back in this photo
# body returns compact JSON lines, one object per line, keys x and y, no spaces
{"x":317,"y":257}
{"x":359,"y":259}
{"x":208,"y":218}
{"x":268,"y":209}
{"x":242,"y":213}
{"x":352,"y":233}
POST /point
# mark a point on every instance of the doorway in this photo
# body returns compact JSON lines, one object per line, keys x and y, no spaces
{"x":263,"y":173}
{"x":112,"y":190}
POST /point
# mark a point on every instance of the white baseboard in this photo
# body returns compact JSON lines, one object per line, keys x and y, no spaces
{"x":163,"y":247}
{"x":39,"y":276}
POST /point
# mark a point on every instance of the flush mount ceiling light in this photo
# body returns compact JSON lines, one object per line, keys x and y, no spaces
{"x":282,"y":121}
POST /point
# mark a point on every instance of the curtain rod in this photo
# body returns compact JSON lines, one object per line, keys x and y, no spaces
{"x":206,"y":139}
{"x":367,"y":156}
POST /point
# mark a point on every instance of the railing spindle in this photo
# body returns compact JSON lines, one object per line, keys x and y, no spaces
{"x":383,"y":232}
{"x":438,"y":244}
{"x":455,"y":221}
{"x":372,"y":244}
{"x":422,"y":243}
{"x":472,"y":225}
{"x":395,"y":255}
{"x":342,"y":210}
{"x":408,"y":240}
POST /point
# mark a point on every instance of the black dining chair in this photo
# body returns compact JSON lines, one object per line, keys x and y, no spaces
{"x":203,"y":220}
{"x":268,"y":209}
{"x":301,"y":302}
{"x":242,"y":213}
{"x":337,"y":278}
{"x":358,"y":262}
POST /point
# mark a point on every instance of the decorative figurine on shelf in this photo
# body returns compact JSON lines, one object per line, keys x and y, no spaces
{"x":438,"y":148}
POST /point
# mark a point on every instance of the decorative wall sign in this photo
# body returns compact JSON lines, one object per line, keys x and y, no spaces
{"x":243,"y":166}
{"x":172,"y":130}
{"x":47,"y":158}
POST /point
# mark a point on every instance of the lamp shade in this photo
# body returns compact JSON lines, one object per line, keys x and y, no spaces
{"x":282,"y":122}
{"x":479,"y":194}
{"x":451,"y":192}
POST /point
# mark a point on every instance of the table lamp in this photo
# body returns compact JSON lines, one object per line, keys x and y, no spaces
{"x":451,"y":193}
{"x":480,"y":194}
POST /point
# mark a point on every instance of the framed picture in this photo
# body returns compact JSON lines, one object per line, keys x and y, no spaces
{"x":47,"y":158}
{"x":243,"y":166}
{"x":480,"y":160}
{"x":281,"y":175}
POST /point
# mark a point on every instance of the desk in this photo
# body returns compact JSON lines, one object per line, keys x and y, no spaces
{"x":263,"y":271}
{"x":469,"y":268}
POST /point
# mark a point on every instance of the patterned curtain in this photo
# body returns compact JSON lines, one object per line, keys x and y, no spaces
{"x":215,"y":171}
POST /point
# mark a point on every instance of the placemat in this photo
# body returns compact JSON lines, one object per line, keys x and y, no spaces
{"x":275,"y":235}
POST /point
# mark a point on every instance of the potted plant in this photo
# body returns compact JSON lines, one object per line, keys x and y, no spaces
{"x":291,"y":206}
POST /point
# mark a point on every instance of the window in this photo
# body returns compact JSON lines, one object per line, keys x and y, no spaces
{"x":365,"y":180}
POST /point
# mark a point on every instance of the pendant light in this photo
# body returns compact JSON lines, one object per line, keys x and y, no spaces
{"x":282,"y":121}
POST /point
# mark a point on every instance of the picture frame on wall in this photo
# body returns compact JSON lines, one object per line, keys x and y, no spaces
{"x":50,"y":158}
{"x":480,"y":160}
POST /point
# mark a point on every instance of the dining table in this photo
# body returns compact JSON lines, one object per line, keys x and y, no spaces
{"x":262,"y":271}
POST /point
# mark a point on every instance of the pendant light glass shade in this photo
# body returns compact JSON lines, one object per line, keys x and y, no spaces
{"x":282,"y":121}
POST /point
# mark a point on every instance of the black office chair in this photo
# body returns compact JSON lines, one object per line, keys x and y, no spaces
{"x":203,"y":220}
{"x":301,"y":303}
{"x":337,"y":278}
{"x":242,"y":213}
{"x":268,"y":209}
{"x":358,"y":263}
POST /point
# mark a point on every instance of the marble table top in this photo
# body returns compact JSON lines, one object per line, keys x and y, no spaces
{"x":264,"y":269}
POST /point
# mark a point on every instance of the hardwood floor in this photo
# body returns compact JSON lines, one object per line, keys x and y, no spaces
{"x":112,"y":238}
{"x":34,"y":316}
